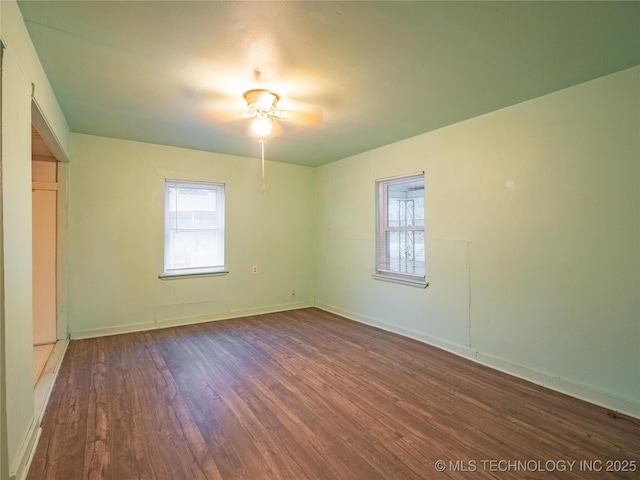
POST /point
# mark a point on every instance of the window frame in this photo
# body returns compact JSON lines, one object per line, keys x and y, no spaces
{"x":199,"y":271}
{"x":382,"y":228}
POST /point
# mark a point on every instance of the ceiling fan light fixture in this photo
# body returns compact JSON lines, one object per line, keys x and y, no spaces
{"x":268,"y":100}
{"x":262,"y":124}
{"x":260,"y":100}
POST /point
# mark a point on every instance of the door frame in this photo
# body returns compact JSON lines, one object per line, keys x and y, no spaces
{"x":42,"y":126}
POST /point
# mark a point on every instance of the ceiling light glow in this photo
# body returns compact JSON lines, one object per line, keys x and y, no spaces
{"x":262,"y":125}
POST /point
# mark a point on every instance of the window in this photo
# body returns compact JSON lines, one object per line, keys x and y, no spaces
{"x":193,"y":228}
{"x":400,"y":243}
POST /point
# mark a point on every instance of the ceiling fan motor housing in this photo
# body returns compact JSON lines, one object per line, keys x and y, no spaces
{"x":262,"y":101}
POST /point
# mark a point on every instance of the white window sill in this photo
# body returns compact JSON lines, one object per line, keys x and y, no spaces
{"x":411,"y":282}
{"x":192,"y":274}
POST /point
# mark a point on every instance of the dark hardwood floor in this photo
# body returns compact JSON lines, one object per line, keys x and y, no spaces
{"x":309,"y":395}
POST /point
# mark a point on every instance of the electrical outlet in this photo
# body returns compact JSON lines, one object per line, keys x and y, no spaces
{"x":254,"y":270}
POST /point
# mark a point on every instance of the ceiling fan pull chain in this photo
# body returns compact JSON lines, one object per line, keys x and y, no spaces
{"x":264,"y":187}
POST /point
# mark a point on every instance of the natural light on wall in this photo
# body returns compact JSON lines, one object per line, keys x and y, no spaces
{"x":193,"y":228}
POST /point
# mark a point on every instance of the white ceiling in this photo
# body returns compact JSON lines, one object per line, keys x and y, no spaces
{"x":173,"y":73}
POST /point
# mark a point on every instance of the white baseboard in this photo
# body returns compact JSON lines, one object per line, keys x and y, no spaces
{"x":175,"y":322}
{"x":44,"y":386}
{"x":582,"y":392}
{"x":42,"y":392}
{"x":20,"y":466}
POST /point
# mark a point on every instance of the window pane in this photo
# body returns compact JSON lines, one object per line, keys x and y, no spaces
{"x":419,"y":259}
{"x":193,"y":249}
{"x":194,"y":226}
{"x":405,"y":252}
{"x":400,"y":223}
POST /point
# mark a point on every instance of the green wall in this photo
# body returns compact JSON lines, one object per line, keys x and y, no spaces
{"x":533,"y":221}
{"x":116,"y":202}
{"x":16,"y":222}
{"x":533,"y":235}
{"x":22,"y":75}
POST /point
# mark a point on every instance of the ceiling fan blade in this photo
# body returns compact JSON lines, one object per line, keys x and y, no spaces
{"x":220,"y":116}
{"x":276,"y":129}
{"x":303,"y":117}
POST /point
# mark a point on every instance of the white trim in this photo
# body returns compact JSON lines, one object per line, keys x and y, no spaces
{"x":33,"y":453}
{"x":44,"y":387}
{"x":192,"y":274}
{"x":567,"y":387}
{"x":20,"y":467}
{"x":42,"y":393}
{"x":419,"y":282}
{"x":382,"y":228}
{"x":400,"y":177}
{"x":46,"y":132}
{"x":175,"y":322}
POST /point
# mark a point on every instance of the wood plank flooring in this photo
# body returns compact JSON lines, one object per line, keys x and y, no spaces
{"x":309,"y":395}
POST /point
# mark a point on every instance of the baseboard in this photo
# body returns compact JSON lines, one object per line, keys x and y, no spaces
{"x":558,"y":384}
{"x":235,"y":314}
{"x":176,"y":322}
{"x":44,"y":386}
{"x":21,"y":464}
{"x":42,"y":392}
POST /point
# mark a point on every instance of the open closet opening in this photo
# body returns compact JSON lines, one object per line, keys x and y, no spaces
{"x":49,"y":174}
{"x":44,"y":186}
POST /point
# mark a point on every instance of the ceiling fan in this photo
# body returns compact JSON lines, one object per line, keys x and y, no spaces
{"x":271,"y":115}
{"x":269,"y":118}
{"x":263,"y":105}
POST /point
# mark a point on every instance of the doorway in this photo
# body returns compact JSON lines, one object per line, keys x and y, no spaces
{"x":44,"y":186}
